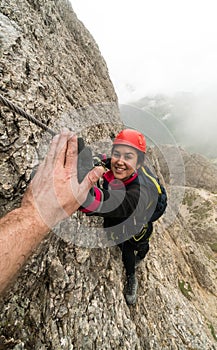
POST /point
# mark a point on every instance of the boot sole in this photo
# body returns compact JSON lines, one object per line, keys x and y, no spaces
{"x":131,"y":300}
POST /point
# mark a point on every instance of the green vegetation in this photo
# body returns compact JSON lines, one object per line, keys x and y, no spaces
{"x":189,"y":199}
{"x":185,"y":288}
{"x":213,"y":331}
{"x":199,"y":209}
{"x":213,"y":246}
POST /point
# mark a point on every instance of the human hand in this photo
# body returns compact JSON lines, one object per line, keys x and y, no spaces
{"x":85,"y":161}
{"x":55,"y":193}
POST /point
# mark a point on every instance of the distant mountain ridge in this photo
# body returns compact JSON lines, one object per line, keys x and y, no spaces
{"x":191,"y":119}
{"x":70,"y":297}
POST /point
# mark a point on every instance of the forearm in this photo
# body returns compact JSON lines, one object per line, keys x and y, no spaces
{"x":21,"y":231}
{"x":111,"y":203}
{"x":53,"y":195}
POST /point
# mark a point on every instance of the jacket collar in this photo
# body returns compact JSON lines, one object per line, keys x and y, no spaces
{"x":109,"y":177}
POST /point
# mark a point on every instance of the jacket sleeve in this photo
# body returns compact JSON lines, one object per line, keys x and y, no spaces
{"x":121,"y":203}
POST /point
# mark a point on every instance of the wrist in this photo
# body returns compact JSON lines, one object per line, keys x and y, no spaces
{"x":33,"y":219}
{"x":93,"y":200}
{"x":43,"y":213}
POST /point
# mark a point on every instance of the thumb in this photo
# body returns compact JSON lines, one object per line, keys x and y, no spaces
{"x":92,"y":177}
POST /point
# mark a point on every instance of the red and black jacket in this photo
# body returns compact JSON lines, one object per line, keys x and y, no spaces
{"x":125,"y":205}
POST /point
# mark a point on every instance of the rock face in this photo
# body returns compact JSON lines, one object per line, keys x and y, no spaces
{"x":51,"y":67}
{"x":199,"y":171}
{"x":69,"y":297}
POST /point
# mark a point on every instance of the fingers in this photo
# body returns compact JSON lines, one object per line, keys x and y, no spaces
{"x":72,"y":155}
{"x":50,"y":158}
{"x":58,"y":147}
{"x":91,"y":178}
{"x":62,"y":152}
{"x":62,"y":146}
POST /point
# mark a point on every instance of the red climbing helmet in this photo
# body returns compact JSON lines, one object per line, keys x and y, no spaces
{"x":131,"y":138}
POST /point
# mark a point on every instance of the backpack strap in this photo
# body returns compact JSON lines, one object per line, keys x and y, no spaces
{"x":141,"y":234}
{"x":153,"y":180}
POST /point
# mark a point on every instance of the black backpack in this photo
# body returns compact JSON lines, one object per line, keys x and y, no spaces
{"x":162,"y":195}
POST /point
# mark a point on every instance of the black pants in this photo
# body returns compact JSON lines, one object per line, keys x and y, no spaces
{"x":129,"y":247}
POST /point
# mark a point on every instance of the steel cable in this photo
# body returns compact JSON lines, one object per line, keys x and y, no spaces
{"x":4,"y":101}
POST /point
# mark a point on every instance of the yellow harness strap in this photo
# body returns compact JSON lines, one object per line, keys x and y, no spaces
{"x":144,"y":229}
{"x":140,"y":234}
{"x":153,"y":180}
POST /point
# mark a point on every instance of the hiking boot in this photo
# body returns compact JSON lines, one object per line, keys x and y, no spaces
{"x":131,"y":289}
{"x":138,"y":260}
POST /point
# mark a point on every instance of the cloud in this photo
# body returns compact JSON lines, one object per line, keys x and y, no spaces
{"x":154,"y":46}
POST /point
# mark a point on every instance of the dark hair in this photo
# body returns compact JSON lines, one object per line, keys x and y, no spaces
{"x":141,"y":157}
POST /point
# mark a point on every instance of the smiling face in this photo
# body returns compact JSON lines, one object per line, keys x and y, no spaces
{"x":124,"y":161}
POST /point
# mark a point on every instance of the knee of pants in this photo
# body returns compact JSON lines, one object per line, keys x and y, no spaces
{"x":127,"y":249}
{"x":142,"y":252}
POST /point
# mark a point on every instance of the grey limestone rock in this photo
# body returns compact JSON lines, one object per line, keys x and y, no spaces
{"x":70,"y":296}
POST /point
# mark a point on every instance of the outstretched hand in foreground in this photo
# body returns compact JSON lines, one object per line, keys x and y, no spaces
{"x":53,"y":194}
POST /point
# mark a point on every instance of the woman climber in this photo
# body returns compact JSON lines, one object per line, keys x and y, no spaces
{"x":127,"y":201}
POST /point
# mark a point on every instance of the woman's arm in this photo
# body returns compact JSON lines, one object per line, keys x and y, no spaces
{"x":135,"y":199}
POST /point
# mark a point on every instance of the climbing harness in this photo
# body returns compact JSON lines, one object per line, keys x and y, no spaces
{"x":141,"y":234}
{"x":153,"y":180}
{"x":160,"y":207}
{"x":162,"y":195}
{"x":4,"y":101}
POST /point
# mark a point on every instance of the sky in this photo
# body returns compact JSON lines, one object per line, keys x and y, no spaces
{"x":154,"y":46}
